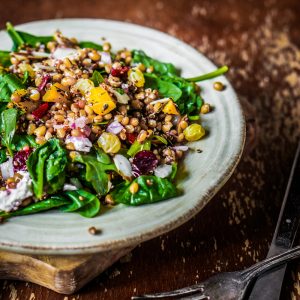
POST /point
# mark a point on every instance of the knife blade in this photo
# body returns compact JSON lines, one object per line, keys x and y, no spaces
{"x":268,"y":286}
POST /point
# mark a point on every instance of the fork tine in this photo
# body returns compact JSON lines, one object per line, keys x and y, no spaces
{"x":195,"y":297}
{"x":175,"y":293}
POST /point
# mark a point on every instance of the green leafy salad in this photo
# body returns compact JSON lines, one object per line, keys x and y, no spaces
{"x":84,"y":127}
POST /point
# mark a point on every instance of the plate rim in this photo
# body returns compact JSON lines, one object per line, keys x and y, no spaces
{"x":102,"y":246}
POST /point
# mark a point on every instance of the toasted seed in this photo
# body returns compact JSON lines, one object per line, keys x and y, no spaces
{"x":125,"y":121}
{"x":93,"y":230}
{"x":108,"y":116}
{"x":59,"y":118}
{"x":40,"y":131}
{"x":40,"y":140}
{"x":70,"y":146}
{"x":205,"y":108}
{"x":219,"y":86}
{"x":134,"y":187}
{"x":67,"y":63}
{"x":122,"y":135}
{"x":129,"y":128}
{"x":109,"y":199}
{"x":68,"y":81}
{"x":134,"y":122}
{"x":57,"y":77}
{"x":75,"y":132}
{"x":183,"y":124}
{"x":142,"y":136}
{"x":94,"y":56}
{"x":168,"y":118}
{"x":48,"y":135}
{"x":61,"y":133}
{"x":31,"y":128}
{"x":88,"y":110}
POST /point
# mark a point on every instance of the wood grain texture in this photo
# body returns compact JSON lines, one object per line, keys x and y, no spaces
{"x":260,"y":41}
{"x":61,"y":274}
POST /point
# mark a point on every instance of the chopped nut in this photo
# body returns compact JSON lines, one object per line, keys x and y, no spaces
{"x":93,"y":230}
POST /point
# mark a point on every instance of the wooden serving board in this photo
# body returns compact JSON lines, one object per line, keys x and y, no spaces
{"x":62,"y":274}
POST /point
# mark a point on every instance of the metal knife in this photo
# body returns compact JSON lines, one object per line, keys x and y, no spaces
{"x":268,"y":286}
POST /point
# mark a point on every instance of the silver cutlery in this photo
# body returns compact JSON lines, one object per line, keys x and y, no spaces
{"x":268,"y":286}
{"x":234,"y":285}
{"x":229,"y":285}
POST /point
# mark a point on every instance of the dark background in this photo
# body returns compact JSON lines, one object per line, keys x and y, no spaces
{"x":260,"y":41}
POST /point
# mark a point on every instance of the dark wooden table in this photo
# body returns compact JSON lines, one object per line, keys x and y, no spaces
{"x":260,"y":41}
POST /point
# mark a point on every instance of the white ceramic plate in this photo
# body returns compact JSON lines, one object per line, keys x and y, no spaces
{"x":66,"y":233}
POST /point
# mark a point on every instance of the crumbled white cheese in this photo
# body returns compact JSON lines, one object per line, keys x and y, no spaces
{"x":10,"y":199}
{"x":62,"y":53}
{"x":69,"y":187}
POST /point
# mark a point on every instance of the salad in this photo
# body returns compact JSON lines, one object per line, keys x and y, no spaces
{"x":84,"y":127}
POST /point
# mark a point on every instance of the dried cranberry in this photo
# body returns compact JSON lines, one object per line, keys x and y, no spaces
{"x":46,"y":78}
{"x":119,"y":72}
{"x":131,"y":137}
{"x":144,"y":162}
{"x":41,"y":111}
{"x":20,"y":158}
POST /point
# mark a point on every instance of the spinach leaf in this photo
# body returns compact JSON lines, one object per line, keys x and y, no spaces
{"x":21,"y":38}
{"x":174,"y":171}
{"x":46,"y":166}
{"x":3,"y":106}
{"x":166,"y":88}
{"x":4,"y":58}
{"x":97,"y":78}
{"x":52,"y":202}
{"x":190,"y":101}
{"x":8,"y":123}
{"x":3,"y":156}
{"x":183,"y":92}
{"x":159,"y":189}
{"x":92,"y":45}
{"x":96,"y":166}
{"x":160,"y":68}
{"x":83,"y":202}
{"x":22,"y":140}
{"x":80,"y":201}
{"x":137,"y":147}
{"x":166,"y":80}
{"x":9,"y":83}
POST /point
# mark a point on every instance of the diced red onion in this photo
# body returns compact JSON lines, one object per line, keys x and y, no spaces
{"x":105,"y":58}
{"x":62,"y":53}
{"x":123,"y":165}
{"x":80,"y":143}
{"x":87,"y":130}
{"x":163,"y":171}
{"x":114,"y":127}
{"x":80,"y":122}
{"x":7,"y":168}
{"x":46,"y":78}
{"x":180,"y":148}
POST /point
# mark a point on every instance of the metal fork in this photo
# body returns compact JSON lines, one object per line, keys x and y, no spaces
{"x":229,"y":285}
